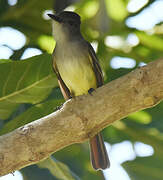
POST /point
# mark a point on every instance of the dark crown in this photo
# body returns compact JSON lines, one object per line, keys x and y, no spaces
{"x":69,"y":16}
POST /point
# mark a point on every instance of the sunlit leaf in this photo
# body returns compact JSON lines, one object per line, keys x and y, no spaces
{"x":152,"y":41}
{"x":116,"y":9}
{"x":87,"y":8}
{"x":141,"y":116}
{"x":47,"y":43}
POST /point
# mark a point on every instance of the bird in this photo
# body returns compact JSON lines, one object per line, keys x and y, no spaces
{"x":78,"y":71}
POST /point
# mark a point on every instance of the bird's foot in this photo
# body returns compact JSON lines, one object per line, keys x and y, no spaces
{"x":90,"y":91}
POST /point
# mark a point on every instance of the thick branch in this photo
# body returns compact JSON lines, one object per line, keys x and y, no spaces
{"x":82,"y":117}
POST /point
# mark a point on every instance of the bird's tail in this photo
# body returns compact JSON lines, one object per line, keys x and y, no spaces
{"x":99,"y":156}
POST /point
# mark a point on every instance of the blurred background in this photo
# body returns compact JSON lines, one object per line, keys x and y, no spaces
{"x":125,"y":34}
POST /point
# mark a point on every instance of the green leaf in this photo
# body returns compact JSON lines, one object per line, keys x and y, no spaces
{"x":145,"y":168}
{"x":88,"y":8}
{"x":35,"y":112}
{"x":26,"y":81}
{"x":58,"y":169}
{"x":157,"y":114}
{"x":33,"y":172}
{"x":47,"y":43}
{"x":4,"y":61}
{"x":151,"y":41}
{"x":31,"y":24}
{"x":141,"y":116}
{"x":116,"y":9}
{"x":77,"y":157}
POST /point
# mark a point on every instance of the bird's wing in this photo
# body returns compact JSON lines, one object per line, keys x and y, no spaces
{"x":95,"y":64}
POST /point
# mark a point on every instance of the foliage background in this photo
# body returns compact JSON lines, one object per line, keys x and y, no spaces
{"x":29,"y":90}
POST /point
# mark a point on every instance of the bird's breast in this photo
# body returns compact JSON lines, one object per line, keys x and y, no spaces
{"x":76,"y":69}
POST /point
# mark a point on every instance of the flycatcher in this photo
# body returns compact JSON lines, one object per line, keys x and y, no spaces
{"x":78,"y":71}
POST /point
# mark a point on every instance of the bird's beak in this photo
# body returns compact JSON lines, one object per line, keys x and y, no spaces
{"x":56,"y":18}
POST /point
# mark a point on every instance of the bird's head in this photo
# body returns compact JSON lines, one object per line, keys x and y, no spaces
{"x":65,"y":24}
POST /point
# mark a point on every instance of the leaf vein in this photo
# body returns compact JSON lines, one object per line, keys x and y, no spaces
{"x":5,"y":85}
{"x":22,"y":77}
{"x":23,"y":90}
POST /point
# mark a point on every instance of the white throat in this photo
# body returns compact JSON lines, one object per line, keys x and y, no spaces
{"x":59,"y":33}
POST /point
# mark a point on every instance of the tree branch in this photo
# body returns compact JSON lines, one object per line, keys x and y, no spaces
{"x":82,"y":117}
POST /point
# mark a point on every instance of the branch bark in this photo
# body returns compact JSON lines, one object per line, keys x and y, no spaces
{"x":82,"y":117}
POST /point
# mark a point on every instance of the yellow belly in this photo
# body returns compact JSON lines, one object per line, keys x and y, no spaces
{"x":78,"y":75}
